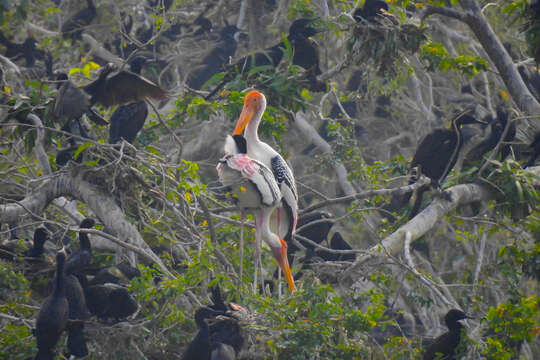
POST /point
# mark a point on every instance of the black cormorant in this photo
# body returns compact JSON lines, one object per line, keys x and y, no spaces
{"x":118,"y":87}
{"x":116,"y":274}
{"x":445,"y":345}
{"x":78,"y":312}
{"x":222,"y":339}
{"x":73,"y":27}
{"x":305,"y":55}
{"x":53,"y":314}
{"x":71,"y":103}
{"x":497,"y":127}
{"x":337,"y":242}
{"x":11,"y":248}
{"x":41,"y":235}
{"x":81,"y":258}
{"x":373,"y":12}
{"x":128,"y":120}
{"x":27,"y":50}
{"x":216,"y":60}
{"x":437,"y":154}
{"x":108,"y":300}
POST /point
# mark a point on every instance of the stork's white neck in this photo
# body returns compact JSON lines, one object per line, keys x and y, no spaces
{"x":252,"y":129}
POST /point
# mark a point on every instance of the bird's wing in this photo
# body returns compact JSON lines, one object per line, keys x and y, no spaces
{"x":258,"y":174}
{"x":285,"y":178}
{"x":125,"y":87}
{"x":71,"y":101}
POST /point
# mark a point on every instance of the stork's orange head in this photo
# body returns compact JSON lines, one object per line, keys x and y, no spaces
{"x":254,"y":105}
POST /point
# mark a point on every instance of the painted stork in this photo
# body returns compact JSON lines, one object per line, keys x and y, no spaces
{"x":287,"y":212}
{"x":256,"y":190}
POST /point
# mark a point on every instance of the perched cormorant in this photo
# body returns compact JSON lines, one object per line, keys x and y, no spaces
{"x":221,"y":340}
{"x":71,"y":103}
{"x":27,"y":50}
{"x":10,"y":248}
{"x":66,"y":154}
{"x":336,"y":243}
{"x":305,"y":55}
{"x":78,"y":311}
{"x":216,"y":60}
{"x":53,"y":314}
{"x":314,"y":226}
{"x":40,"y":237}
{"x":128,"y":120}
{"x":437,"y":154}
{"x":81,"y":259}
{"x":116,"y":274}
{"x":118,"y":87}
{"x":76,"y":342}
{"x":497,"y":127}
{"x":108,"y":300}
{"x":73,"y":27}
{"x":373,"y":12}
{"x":445,"y":345}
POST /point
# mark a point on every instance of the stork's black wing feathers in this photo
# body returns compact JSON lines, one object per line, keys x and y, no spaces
{"x":283,"y":174}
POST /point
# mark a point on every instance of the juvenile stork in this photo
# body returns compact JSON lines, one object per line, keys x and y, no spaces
{"x":256,"y":190}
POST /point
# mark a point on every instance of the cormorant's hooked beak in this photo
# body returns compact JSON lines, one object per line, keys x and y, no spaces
{"x":245,"y":117}
{"x":280,"y":253}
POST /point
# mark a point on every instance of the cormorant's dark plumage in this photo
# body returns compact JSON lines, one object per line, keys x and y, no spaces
{"x":373,"y":12}
{"x":221,"y":340}
{"x":53,"y":314}
{"x":76,"y":342}
{"x":81,"y":259}
{"x":444,"y":346}
{"x":127,"y":121}
{"x":77,"y":311}
{"x":71,"y":103}
{"x":305,"y":55}
{"x":116,"y":274}
{"x":40,"y":237}
{"x":497,"y":127}
{"x":218,"y":338}
{"x":73,"y":27}
{"x":216,"y":60}
{"x":11,"y":248}
{"x":437,"y":154}
{"x":200,"y":347}
{"x":114,"y":87}
{"x":336,"y":243}
{"x":27,"y":50}
{"x":108,"y":300}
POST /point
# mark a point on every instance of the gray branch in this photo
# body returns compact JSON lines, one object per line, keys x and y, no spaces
{"x":100,"y":202}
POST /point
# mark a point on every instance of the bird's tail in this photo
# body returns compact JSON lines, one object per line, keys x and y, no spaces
{"x":92,"y":115}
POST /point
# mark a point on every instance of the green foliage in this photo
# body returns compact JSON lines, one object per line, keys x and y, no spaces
{"x":13,"y":294}
{"x":85,"y":69}
{"x":511,"y":323}
{"x":514,"y":187}
{"x":439,"y":59}
{"x":317,"y":321}
{"x":383,"y":46}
